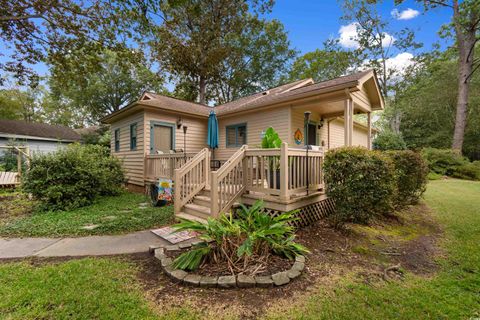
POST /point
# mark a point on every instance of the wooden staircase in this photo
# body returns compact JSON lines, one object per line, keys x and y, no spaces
{"x":199,"y":208}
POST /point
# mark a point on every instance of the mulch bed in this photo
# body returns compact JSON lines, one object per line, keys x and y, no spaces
{"x":210,"y":268}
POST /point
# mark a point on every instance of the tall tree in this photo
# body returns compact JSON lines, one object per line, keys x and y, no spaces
{"x":258,"y":61}
{"x":31,"y":29}
{"x":377,"y":43}
{"x":118,"y":80}
{"x":432,"y":85}
{"x":197,"y":41}
{"x":322,"y":64}
{"x":466,"y":26}
{"x":17,"y":104}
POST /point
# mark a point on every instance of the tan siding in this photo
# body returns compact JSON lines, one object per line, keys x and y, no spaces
{"x":362,"y":97}
{"x":132,"y":159}
{"x":196,"y":133}
{"x":337,"y":139}
{"x":298,"y":123}
{"x":257,"y":122}
{"x":359,"y":136}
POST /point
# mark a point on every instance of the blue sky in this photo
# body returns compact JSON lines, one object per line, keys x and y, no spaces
{"x":310,"y":22}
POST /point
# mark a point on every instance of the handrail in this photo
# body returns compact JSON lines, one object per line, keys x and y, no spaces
{"x":228,"y":182}
{"x":163,"y":165}
{"x":190,"y":178}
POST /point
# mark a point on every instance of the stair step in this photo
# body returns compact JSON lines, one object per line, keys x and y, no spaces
{"x":187,"y":216}
{"x":204,"y":201}
{"x":205,"y":192}
{"x":195,"y":209}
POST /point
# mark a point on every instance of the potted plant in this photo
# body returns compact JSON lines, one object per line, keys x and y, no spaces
{"x":271,"y":140}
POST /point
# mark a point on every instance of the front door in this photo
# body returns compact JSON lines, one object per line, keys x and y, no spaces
{"x":312,"y":134}
{"x":162,"y":136}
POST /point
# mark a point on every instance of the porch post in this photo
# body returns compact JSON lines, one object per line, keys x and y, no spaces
{"x":348,"y":121}
{"x":284,"y":171}
{"x":369,"y":133}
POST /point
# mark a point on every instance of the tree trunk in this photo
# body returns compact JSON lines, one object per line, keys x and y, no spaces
{"x":202,"y":90}
{"x":465,"y":68}
{"x":466,"y":47}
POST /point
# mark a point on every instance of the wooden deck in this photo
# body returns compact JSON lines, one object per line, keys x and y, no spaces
{"x":285,"y":178}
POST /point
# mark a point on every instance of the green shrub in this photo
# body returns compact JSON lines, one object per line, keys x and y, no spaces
{"x":443,"y":161}
{"x":361,"y":182}
{"x":389,"y":140}
{"x":72,"y":177}
{"x":243,"y":243}
{"x":468,"y":171}
{"x":411,"y":173}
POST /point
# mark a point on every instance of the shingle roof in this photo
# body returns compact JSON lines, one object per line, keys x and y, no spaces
{"x":43,"y":130}
{"x":259,"y":96}
{"x":176,"y":104}
{"x":272,"y":97}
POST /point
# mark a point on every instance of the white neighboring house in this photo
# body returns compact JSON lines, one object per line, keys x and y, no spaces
{"x":39,"y":137}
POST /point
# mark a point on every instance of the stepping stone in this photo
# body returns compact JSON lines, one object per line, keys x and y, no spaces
{"x":90,"y":226}
{"x":110,"y":218}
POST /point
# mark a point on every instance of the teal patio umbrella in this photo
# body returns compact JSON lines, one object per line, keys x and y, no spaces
{"x":212,"y":134}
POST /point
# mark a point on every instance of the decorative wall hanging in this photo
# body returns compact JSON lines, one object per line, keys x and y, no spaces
{"x":298,"y":136}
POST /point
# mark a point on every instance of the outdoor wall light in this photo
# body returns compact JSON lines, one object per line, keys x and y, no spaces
{"x":179,"y":122}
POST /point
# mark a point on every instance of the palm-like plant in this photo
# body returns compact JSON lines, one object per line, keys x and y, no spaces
{"x":244,"y":243}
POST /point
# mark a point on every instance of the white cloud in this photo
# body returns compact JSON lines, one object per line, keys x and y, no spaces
{"x":400,"y":62}
{"x":405,"y":14}
{"x":349,"y":36}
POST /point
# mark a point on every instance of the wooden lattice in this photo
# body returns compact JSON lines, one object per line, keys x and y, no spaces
{"x":310,"y":213}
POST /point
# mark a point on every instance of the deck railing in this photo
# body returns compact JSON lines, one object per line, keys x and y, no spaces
{"x":281,"y":173}
{"x":227,"y":183}
{"x":191,"y":178}
{"x":163,"y":165}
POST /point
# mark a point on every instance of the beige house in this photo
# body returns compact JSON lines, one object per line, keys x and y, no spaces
{"x":160,"y":136}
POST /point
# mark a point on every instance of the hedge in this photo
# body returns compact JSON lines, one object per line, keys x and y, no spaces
{"x":361,"y":182}
{"x":73,"y":176}
{"x":411,"y":176}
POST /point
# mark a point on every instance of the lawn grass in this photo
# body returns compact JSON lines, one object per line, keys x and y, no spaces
{"x":453,"y":293}
{"x":112,"y":215}
{"x":77,"y":289}
{"x":105,"y":288}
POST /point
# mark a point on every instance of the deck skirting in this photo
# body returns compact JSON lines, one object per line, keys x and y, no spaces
{"x":309,"y":213}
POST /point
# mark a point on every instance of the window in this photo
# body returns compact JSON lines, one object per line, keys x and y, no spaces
{"x":133,"y":136}
{"x":236,"y":135}
{"x":117,"y":140}
{"x":162,"y":137}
